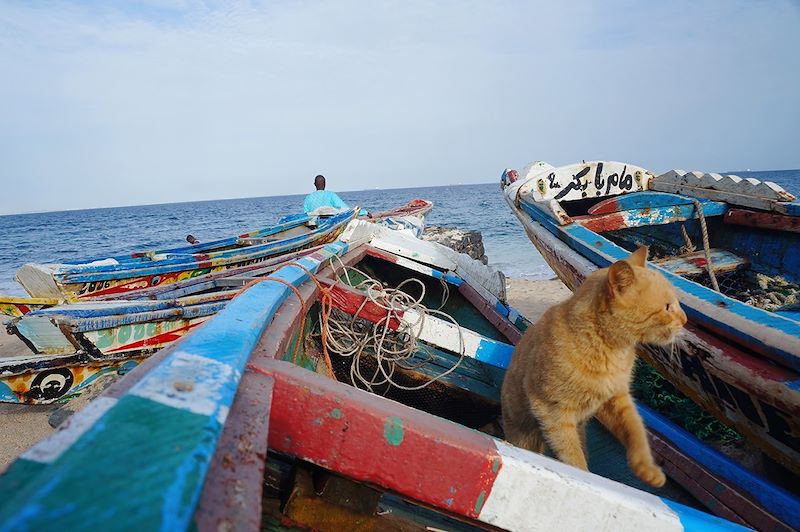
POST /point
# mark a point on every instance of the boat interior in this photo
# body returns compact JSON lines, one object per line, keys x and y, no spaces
{"x":753,"y":264}
{"x":434,"y":378}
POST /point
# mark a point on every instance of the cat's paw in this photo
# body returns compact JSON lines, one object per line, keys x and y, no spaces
{"x":649,"y":473}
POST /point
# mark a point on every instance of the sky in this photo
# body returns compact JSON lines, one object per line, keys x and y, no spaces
{"x":110,"y":103}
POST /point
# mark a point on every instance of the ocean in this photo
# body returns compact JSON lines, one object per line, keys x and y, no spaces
{"x":55,"y":236}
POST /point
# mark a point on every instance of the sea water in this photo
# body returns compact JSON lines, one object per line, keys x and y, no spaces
{"x":65,"y":235}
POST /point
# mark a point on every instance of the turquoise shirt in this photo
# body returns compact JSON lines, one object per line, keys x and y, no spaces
{"x":323,"y":198}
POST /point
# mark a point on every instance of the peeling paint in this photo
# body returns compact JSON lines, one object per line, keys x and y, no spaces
{"x":393,"y":431}
{"x":480,"y":501}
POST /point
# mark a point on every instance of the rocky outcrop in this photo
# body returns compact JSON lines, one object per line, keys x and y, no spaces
{"x":468,"y":242}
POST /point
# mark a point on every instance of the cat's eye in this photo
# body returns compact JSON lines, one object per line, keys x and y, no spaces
{"x":668,"y":307}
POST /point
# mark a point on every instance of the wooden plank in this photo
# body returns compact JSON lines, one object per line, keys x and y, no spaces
{"x":499,"y":314}
{"x":763,"y":220}
{"x":231,"y":498}
{"x":600,"y":223}
{"x":431,"y":329}
{"x":418,"y":267}
{"x":695,"y":263}
{"x":638,"y":200}
{"x":585,"y":180}
{"x":449,"y":467}
{"x":730,"y":189}
{"x":725,"y":183}
{"x":761,"y":504}
{"x":711,"y":491}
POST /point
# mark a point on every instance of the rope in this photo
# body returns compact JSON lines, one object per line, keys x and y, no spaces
{"x":325,"y":299}
{"x":389,"y":347}
{"x":689,"y":247}
{"x":706,"y":245}
{"x":348,"y":337}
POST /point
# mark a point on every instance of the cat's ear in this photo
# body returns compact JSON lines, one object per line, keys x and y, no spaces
{"x":620,"y":277}
{"x":638,"y":257}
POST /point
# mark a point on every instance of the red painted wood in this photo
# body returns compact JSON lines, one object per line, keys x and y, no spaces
{"x":380,"y":254}
{"x":606,"y":206}
{"x":603,"y":222}
{"x":488,"y":310}
{"x":350,"y":301}
{"x":376,"y":440}
{"x":763,"y":220}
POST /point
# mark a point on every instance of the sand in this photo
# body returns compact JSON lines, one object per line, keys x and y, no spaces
{"x":23,"y":425}
{"x":533,"y":298}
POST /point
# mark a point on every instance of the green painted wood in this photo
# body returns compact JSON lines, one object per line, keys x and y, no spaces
{"x":17,"y":475}
{"x":84,"y":484}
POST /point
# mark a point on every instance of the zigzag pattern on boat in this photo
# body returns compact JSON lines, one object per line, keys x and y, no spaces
{"x":748,"y":192}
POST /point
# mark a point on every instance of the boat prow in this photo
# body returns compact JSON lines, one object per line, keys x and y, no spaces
{"x":37,"y":280}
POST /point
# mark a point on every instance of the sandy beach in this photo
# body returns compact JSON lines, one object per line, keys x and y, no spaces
{"x":23,"y":425}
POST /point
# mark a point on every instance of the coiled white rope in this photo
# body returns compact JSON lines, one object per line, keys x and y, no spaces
{"x":349,"y":336}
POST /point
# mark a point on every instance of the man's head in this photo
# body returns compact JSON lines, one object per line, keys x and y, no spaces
{"x":319,"y":182}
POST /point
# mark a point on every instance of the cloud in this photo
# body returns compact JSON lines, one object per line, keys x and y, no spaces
{"x":109,"y":104}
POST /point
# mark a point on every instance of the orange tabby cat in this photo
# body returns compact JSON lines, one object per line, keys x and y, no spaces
{"x":576,"y":362}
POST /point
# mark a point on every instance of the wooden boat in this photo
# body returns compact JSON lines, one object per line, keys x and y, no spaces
{"x":19,"y":306}
{"x":740,"y":358}
{"x":128,"y":274}
{"x":409,"y":217}
{"x":71,"y":342}
{"x":250,"y":423}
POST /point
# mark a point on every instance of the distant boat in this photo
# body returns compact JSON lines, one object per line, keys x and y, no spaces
{"x":741,"y":356}
{"x":100,"y":277}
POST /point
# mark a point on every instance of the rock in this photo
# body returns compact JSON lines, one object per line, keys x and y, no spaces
{"x":469,"y":242}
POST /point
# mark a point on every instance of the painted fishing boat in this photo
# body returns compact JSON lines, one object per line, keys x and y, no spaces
{"x":37,"y":379}
{"x":726,"y":244}
{"x":261,"y":419}
{"x":128,"y":274}
{"x":71,"y":342}
{"x":416,"y":207}
{"x":87,"y":336}
{"x":19,"y":306}
{"x":410,"y":217}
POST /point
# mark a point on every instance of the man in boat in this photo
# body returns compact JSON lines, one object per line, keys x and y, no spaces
{"x":322,"y":198}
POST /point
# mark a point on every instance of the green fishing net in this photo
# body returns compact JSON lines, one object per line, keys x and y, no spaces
{"x":650,"y":388}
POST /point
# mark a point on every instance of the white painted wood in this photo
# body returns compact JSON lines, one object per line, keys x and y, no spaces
{"x":591,"y":179}
{"x":560,"y":214}
{"x":188,"y":382}
{"x":729,"y":188}
{"x":45,"y":335}
{"x":445,"y":335}
{"x":534,"y":168}
{"x":37,"y":280}
{"x":535,"y":493}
